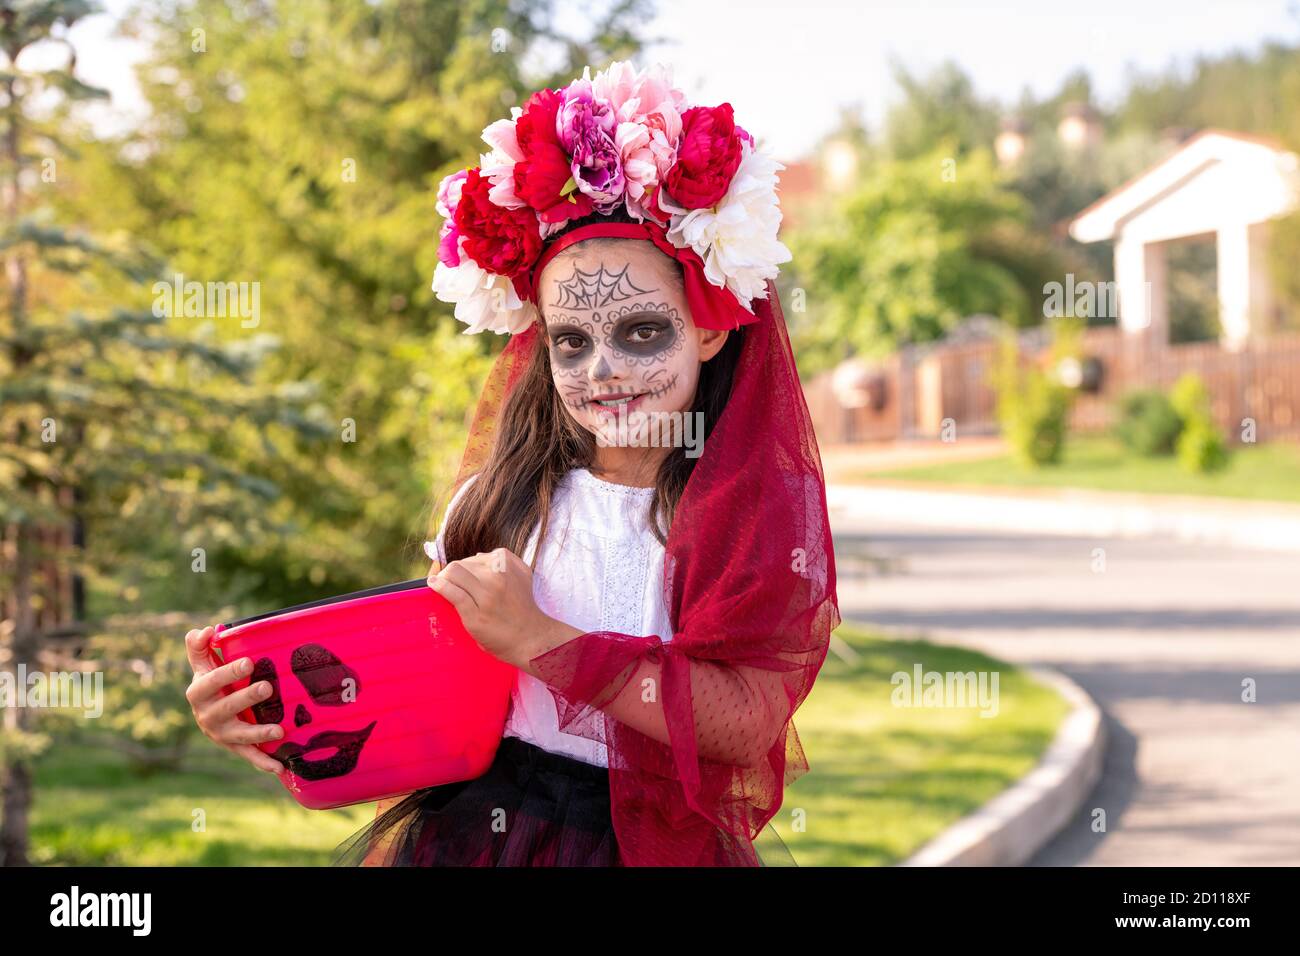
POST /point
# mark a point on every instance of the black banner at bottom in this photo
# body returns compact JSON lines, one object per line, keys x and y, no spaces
{"x":334,"y":906}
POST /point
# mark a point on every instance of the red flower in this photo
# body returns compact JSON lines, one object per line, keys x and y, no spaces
{"x":503,"y":241}
{"x":544,"y":172}
{"x":707,"y":157}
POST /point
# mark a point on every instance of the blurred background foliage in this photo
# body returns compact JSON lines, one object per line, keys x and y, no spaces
{"x":306,"y":157}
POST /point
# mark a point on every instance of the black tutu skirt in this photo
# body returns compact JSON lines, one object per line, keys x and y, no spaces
{"x":531,"y":808}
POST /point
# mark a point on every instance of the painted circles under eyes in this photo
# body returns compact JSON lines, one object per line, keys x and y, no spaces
{"x":639,"y":335}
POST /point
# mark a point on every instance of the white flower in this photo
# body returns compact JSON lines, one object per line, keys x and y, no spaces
{"x":498,"y":166}
{"x":737,"y":237}
{"x":484,"y":301}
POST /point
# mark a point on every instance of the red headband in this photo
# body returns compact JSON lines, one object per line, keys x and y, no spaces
{"x":712,"y":307}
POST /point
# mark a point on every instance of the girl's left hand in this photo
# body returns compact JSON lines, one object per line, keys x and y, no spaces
{"x":493,"y":592}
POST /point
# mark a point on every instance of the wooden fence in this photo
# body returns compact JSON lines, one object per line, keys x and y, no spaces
{"x":917,"y":390}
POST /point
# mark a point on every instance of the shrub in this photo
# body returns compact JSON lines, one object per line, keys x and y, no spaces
{"x":1033,"y":408}
{"x":1200,"y":447}
{"x":1147,"y":423}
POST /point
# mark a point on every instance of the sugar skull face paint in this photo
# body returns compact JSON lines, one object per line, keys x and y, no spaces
{"x":619,"y":332}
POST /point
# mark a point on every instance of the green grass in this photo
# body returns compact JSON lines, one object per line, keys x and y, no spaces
{"x":92,"y":811}
{"x":884,"y":779}
{"x":1260,"y":472}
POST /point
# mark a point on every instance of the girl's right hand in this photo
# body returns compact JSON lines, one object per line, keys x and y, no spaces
{"x":217,"y":714}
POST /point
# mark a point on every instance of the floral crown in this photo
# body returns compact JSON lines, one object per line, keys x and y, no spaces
{"x":690,"y":179}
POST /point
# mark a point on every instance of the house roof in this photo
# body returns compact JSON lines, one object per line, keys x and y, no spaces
{"x":1107,"y":216}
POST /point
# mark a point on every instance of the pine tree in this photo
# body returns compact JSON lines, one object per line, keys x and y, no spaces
{"x":104,"y":396}
{"x":301,"y":145}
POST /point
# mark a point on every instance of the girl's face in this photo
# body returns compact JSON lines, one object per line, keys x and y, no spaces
{"x":620,"y":333}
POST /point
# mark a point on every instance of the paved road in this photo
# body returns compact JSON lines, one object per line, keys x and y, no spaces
{"x":1162,"y":638}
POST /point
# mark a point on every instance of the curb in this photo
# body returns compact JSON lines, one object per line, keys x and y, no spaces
{"x":1014,"y":825}
{"x":1254,"y":525}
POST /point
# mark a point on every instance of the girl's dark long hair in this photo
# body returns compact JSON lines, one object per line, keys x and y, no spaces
{"x":537,"y":443}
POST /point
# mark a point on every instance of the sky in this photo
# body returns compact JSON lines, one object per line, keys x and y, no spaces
{"x":793,"y":66}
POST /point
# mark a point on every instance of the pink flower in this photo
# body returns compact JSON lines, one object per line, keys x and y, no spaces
{"x":649,"y":110}
{"x":448,"y":199}
{"x":586,"y":127}
{"x":616,"y":86}
{"x":639,"y":168}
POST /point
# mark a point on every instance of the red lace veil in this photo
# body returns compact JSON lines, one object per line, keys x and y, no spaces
{"x":749,"y":582}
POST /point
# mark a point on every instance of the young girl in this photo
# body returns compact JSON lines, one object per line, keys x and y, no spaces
{"x":639,"y":523}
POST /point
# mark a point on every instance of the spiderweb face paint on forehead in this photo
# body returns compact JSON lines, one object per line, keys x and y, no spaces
{"x":600,"y":287}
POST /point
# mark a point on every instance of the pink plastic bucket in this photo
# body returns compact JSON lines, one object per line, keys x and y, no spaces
{"x":379,"y":693}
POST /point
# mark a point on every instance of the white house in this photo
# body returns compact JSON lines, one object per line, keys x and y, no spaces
{"x":1221,"y":183}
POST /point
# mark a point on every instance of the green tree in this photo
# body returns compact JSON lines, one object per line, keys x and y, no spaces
{"x":1239,"y":91}
{"x":1058,"y":181}
{"x":922,"y":244}
{"x":939,"y":107}
{"x":301,"y":146}
{"x":102,"y":395}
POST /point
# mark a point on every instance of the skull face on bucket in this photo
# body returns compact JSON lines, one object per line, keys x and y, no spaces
{"x":330,"y":683}
{"x":378,"y":693}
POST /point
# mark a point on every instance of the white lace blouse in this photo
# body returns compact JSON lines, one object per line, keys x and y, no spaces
{"x":601,"y":569}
